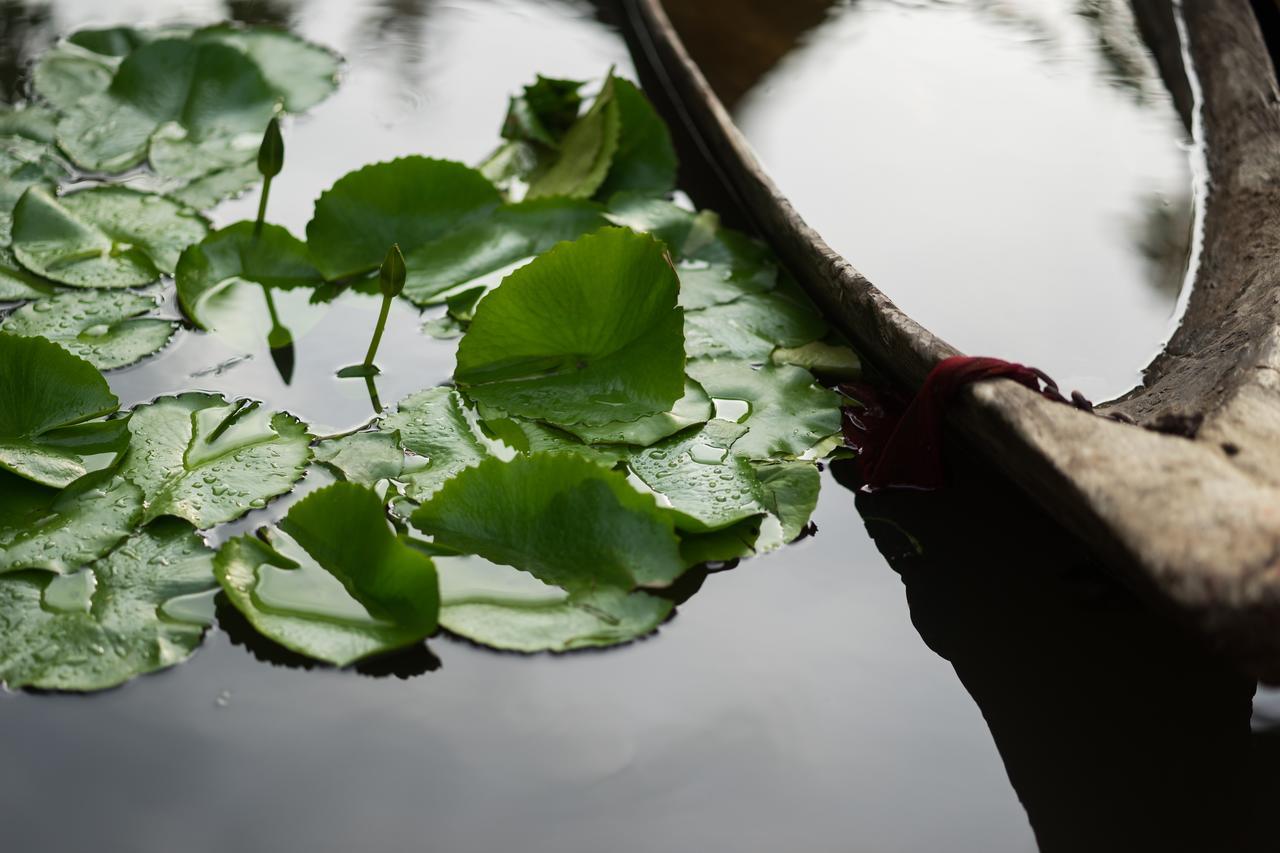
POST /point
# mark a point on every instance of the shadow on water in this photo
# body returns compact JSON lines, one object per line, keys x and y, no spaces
{"x":1119,"y":731}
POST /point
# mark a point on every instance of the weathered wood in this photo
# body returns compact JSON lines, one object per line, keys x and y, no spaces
{"x":1192,"y":519}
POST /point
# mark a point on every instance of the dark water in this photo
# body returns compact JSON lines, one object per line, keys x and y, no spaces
{"x":799,"y":702}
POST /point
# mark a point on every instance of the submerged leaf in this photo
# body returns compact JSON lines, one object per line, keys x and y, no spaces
{"x":503,"y":608}
{"x":59,"y":531}
{"x":334,"y":582}
{"x":561,"y":517}
{"x":50,"y":400}
{"x":105,"y":329}
{"x":411,"y":201}
{"x":127,"y":614}
{"x":787,"y":413}
{"x":586,"y":333}
{"x":102,"y":237}
{"x":198,"y":457}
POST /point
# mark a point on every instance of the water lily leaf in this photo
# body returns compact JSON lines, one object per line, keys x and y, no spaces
{"x":585,"y":153}
{"x":723,"y":269}
{"x":125,"y":615}
{"x":50,"y":400}
{"x":790,"y":491}
{"x":302,"y":74}
{"x":68,"y":72}
{"x":645,"y":160}
{"x":333,"y":583}
{"x":692,"y":408}
{"x":544,"y":113}
{"x":16,"y":283}
{"x":705,"y":486}
{"x":59,"y":531}
{"x":587,"y":333}
{"x":102,"y":237}
{"x":503,"y":608}
{"x":203,"y":95}
{"x":664,"y":219}
{"x":198,"y":457}
{"x":105,"y":329}
{"x":34,"y":123}
{"x":27,"y":159}
{"x":111,"y":41}
{"x":210,"y":188}
{"x":526,"y":436}
{"x":437,"y":424}
{"x":833,"y":361}
{"x":559,"y":516}
{"x":510,"y":233}
{"x":366,"y":458}
{"x":751,"y":326}
{"x":411,"y":201}
{"x":786,"y":412}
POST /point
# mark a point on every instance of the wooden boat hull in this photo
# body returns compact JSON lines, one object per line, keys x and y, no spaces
{"x":1185,"y":503}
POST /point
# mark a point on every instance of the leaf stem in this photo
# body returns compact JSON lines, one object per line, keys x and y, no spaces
{"x":262,"y":207}
{"x":378,"y":329}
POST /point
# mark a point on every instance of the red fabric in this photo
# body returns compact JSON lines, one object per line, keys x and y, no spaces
{"x":902,"y":448}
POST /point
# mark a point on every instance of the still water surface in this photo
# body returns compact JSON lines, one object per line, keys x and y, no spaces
{"x":791,"y":705}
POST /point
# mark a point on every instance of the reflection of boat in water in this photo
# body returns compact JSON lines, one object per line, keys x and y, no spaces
{"x":1184,"y":498}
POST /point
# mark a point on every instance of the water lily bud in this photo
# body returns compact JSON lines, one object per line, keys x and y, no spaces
{"x":391,"y":276}
{"x":271,"y":153}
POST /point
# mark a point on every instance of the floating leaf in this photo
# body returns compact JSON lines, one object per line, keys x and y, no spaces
{"x":665,"y":220}
{"x":334,"y":583}
{"x":196,"y":98}
{"x":201,"y":458}
{"x":364,"y":457}
{"x":585,"y":153}
{"x":586,"y":333}
{"x":302,"y":74}
{"x":503,"y":608}
{"x":410,"y":202}
{"x":544,"y":112}
{"x":525,"y":436}
{"x":751,"y":326}
{"x":27,"y":159}
{"x":50,"y":400}
{"x":59,"y":531}
{"x":510,"y":233}
{"x":436,"y":425}
{"x":790,"y":491}
{"x":561,"y":517}
{"x":832,"y":361}
{"x":706,"y":486}
{"x":645,"y":160}
{"x":207,"y":190}
{"x":102,"y":237}
{"x":105,"y":329}
{"x":786,"y":412}
{"x":16,"y":283}
{"x":68,"y":72}
{"x":723,"y":269}
{"x":120,"y":617}
{"x":692,"y":408}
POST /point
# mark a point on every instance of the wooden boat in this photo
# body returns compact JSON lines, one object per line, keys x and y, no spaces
{"x":1184,"y":500}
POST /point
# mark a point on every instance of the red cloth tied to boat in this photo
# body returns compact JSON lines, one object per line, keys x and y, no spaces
{"x":902,"y":447}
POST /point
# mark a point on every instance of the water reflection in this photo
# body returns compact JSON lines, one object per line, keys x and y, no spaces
{"x":26,"y":29}
{"x":275,"y":13}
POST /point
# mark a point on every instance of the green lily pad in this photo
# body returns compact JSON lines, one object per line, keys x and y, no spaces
{"x":645,"y":160}
{"x":198,"y":457}
{"x":724,"y":269}
{"x":411,"y":201}
{"x":366,"y":458}
{"x":26,"y":160}
{"x":302,"y":74}
{"x":125,"y":615}
{"x":704,"y":484}
{"x":102,"y":237}
{"x":526,"y":436}
{"x":510,"y":233}
{"x":51,"y":399}
{"x":504,"y":608}
{"x":201,"y":102}
{"x":587,"y":333}
{"x":787,"y":414}
{"x":68,"y":72}
{"x":437,"y":425}
{"x":213,"y":187}
{"x":790,"y":491}
{"x":333,"y":583}
{"x":834,"y":361}
{"x":59,"y":531}
{"x":585,"y":153}
{"x":752,"y":326}
{"x":692,"y":408}
{"x":559,"y":516}
{"x":544,"y":112}
{"x":105,"y":329}
{"x":664,"y":219}
{"x":16,"y":283}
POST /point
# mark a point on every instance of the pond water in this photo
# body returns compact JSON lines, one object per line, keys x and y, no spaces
{"x":795,"y":702}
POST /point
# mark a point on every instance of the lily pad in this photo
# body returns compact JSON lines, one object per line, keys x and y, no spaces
{"x":105,"y":329}
{"x":16,"y":283}
{"x":118,"y":618}
{"x":302,"y":74}
{"x":59,"y":531}
{"x":705,"y":485}
{"x":587,"y":333}
{"x":198,"y":457}
{"x":544,"y":112}
{"x":787,"y":413}
{"x":790,"y":491}
{"x":645,"y":159}
{"x":26,"y":160}
{"x":692,"y":408}
{"x":504,"y":608}
{"x":333,"y":583}
{"x":51,"y":400}
{"x":68,"y":72}
{"x":752,"y":326}
{"x":833,"y":361}
{"x":102,"y":237}
{"x":201,"y":102}
{"x":410,"y":202}
{"x":559,"y":516}
{"x":366,"y":458}
{"x":510,"y":233}
{"x":437,"y":424}
{"x":723,"y":269}
{"x":585,"y":153}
